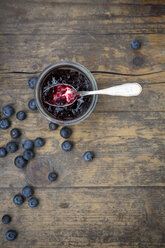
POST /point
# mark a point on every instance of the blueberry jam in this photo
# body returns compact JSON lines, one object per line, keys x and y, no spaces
{"x":71,"y":77}
{"x":60,"y":95}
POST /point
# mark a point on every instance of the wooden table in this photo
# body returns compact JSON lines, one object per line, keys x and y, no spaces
{"x":117,"y":200}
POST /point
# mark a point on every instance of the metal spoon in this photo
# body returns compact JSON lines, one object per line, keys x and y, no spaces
{"x":127,"y":90}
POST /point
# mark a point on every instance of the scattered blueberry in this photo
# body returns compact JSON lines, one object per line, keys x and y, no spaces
{"x":15,"y":133}
{"x":18,"y":199}
{"x":135,"y":44}
{"x":21,"y":115}
{"x":11,"y":147}
{"x":11,"y":235}
{"x":6,"y":219}
{"x":27,"y":191}
{"x":39,"y":142}
{"x":52,"y":176}
{"x":20,"y":162}
{"x":67,"y":146}
{"x":65,"y":132}
{"x":33,"y":202}
{"x":53,"y":126}
{"x":4,"y":123}
{"x":8,"y":111}
{"x":3,"y":152}
{"x":32,"y":104}
{"x":28,"y":144}
{"x":32,"y":81}
{"x":88,"y":156}
{"x":28,"y":154}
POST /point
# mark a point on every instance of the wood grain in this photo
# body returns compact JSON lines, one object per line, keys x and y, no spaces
{"x":81,"y":17}
{"x":128,"y":144}
{"x":109,"y":53}
{"x":90,"y":217}
{"x":117,"y":200}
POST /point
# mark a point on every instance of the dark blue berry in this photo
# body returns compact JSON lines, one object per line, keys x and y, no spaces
{"x":33,"y":202}
{"x":8,"y":111}
{"x":15,"y":133}
{"x":20,"y":162}
{"x":6,"y":219}
{"x":18,"y":199}
{"x":4,"y":123}
{"x":27,"y":191}
{"x":39,"y":142}
{"x":53,"y":126}
{"x":67,"y":146}
{"x":32,"y":104}
{"x":65,"y":132}
{"x":52,"y":176}
{"x":28,"y":154}
{"x":21,"y":115}
{"x":11,"y":235}
{"x":135,"y":44}
{"x":3,"y":152}
{"x":32,"y":81}
{"x":11,"y":147}
{"x":88,"y":156}
{"x":28,"y":144}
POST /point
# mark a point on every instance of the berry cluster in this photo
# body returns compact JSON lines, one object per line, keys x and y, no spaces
{"x":28,"y":154}
{"x":18,"y":200}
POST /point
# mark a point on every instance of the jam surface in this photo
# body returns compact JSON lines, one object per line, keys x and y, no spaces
{"x":60,"y":95}
{"x":73,"y":78}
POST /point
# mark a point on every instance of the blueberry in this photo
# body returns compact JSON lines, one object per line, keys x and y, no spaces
{"x":4,"y":123}
{"x":6,"y":219}
{"x":15,"y":133}
{"x":88,"y":156}
{"x":67,"y":146}
{"x":32,"y":81}
{"x":39,"y":142}
{"x":11,"y":147}
{"x":11,"y":235}
{"x":53,"y":126}
{"x":8,"y":111}
{"x":20,"y":162}
{"x":3,"y":152}
{"x":28,"y":154}
{"x":65,"y":132}
{"x":135,"y":44}
{"x":32,"y":104}
{"x":28,"y":144}
{"x":21,"y":115}
{"x":27,"y":191}
{"x":18,"y":199}
{"x":52,"y":176}
{"x":33,"y":202}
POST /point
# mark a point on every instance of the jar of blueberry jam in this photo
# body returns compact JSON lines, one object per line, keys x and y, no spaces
{"x":62,"y":73}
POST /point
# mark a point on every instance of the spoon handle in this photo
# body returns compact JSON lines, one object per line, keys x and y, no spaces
{"x":129,"y":89}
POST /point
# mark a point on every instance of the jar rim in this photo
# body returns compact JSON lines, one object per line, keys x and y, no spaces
{"x":73,"y":65}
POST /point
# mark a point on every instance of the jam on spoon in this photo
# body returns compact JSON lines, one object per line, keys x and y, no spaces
{"x":60,"y":95}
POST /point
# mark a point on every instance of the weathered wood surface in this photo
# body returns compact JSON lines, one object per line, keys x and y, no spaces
{"x":80,"y":17}
{"x":117,"y":200}
{"x":106,"y":217}
{"x":109,"y":53}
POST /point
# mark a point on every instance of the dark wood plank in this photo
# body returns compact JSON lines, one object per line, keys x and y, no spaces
{"x":81,"y":17}
{"x":28,"y":53}
{"x":112,"y":217}
{"x":151,"y":99}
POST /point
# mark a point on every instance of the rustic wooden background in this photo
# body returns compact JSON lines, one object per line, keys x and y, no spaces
{"x":118,"y":200}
